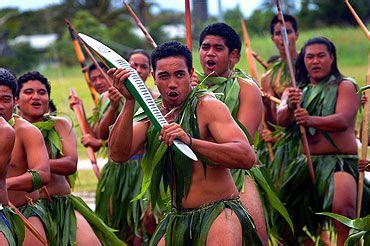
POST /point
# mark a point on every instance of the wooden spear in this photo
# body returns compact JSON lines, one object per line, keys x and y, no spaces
{"x":81,"y":59}
{"x":253,"y":71}
{"x":81,"y":119}
{"x":365,"y":120}
{"x":189,"y":41}
{"x":140,"y":25}
{"x":292,"y":77}
{"x":260,"y":60}
{"x":28,"y":225}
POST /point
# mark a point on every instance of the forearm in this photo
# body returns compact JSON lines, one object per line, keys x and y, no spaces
{"x":63,"y":166}
{"x":230,"y":155}
{"x":285,"y":116}
{"x":120,"y":138}
{"x":106,"y":122}
{"x":331,"y":123}
{"x":24,"y":182}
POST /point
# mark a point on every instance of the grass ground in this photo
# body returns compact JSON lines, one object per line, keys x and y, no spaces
{"x":352,"y":49}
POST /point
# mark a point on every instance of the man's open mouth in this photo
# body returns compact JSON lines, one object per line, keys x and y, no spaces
{"x":173,"y":94}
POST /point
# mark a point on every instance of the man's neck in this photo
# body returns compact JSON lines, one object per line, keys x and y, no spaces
{"x":31,"y":119}
{"x":293,"y":55}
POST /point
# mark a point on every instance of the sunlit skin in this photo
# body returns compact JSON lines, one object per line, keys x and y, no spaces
{"x":33,"y":103}
{"x":171,"y":78}
{"x":98,"y":81}
{"x":173,"y":81}
{"x":215,"y":57}
{"x":29,"y":152}
{"x":340,"y":126}
{"x":276,"y":89}
{"x":141,"y":64}
{"x":217,"y":60}
{"x":277,"y":38}
{"x":6,"y":146}
{"x":318,"y":62}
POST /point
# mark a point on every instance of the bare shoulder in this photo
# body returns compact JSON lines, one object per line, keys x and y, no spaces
{"x":62,"y":122}
{"x":249,"y":87}
{"x":211,"y":106}
{"x":26,"y":130}
{"x":7,"y":132}
{"x":347,"y":85}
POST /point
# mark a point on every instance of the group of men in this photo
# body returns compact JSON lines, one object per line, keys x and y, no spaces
{"x":151,"y":194}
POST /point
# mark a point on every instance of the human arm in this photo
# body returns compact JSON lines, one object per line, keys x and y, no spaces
{"x":250,"y":107}
{"x":6,"y":147}
{"x":343,"y":117}
{"x":269,"y":106}
{"x":66,"y":164}
{"x":110,"y":115}
{"x":125,"y":139}
{"x":37,"y":160}
{"x":285,"y":112}
{"x":231,"y":148}
{"x":89,"y":140}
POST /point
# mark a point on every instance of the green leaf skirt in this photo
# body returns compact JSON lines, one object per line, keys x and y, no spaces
{"x":191,"y":226}
{"x":12,"y":227}
{"x":119,"y":184}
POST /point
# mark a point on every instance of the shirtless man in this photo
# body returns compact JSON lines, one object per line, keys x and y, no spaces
{"x":277,"y":77}
{"x":6,"y":147}
{"x":196,"y":196}
{"x":29,"y":164}
{"x":33,"y":98}
{"x":119,"y":182}
{"x":329,"y":119}
{"x":219,"y":51}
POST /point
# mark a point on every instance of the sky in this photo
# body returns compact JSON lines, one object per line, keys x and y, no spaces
{"x":247,"y":6}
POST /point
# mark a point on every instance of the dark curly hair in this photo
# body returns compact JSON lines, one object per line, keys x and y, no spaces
{"x":287,"y":18}
{"x":34,"y":75}
{"x":301,"y":70}
{"x":232,"y":39}
{"x":8,"y":79}
{"x":171,"y":49}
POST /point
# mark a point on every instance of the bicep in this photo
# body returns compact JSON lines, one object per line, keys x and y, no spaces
{"x":347,"y":101}
{"x":138,"y":136}
{"x":68,"y":138}
{"x":37,"y":155}
{"x":250,"y":109}
{"x":221,"y":119}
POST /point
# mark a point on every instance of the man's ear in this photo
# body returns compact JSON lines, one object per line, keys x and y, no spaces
{"x":191,"y":72}
{"x":153,"y":75}
{"x":234,"y":58}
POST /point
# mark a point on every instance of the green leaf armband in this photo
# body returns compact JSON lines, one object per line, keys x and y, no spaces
{"x":36,"y":179}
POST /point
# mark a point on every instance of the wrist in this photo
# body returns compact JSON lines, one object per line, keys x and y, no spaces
{"x":190,"y":140}
{"x":288,"y":104}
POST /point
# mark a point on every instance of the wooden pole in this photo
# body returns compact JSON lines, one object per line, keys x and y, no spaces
{"x":140,"y":25}
{"x":28,"y":225}
{"x":81,"y":119}
{"x":292,"y":77}
{"x":189,"y":41}
{"x":365,"y":120}
{"x":81,"y":59}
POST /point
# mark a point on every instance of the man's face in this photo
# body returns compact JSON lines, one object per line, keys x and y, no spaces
{"x":173,"y":80}
{"x":33,"y":99}
{"x":141,"y":64}
{"x":318,"y":61}
{"x":6,"y":102}
{"x":277,"y":37}
{"x":98,"y":81}
{"x":215,"y":56}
